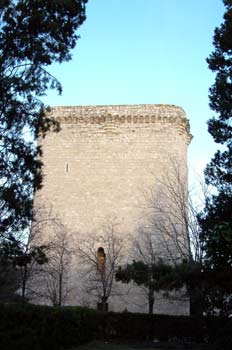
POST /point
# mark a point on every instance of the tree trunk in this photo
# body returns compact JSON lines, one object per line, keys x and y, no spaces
{"x":60,"y":290}
{"x":196,"y":302}
{"x":103,"y":306}
{"x":151,"y":300}
{"x":24,"y":281}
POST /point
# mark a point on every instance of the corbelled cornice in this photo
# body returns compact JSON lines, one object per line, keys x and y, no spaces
{"x":121,"y":114}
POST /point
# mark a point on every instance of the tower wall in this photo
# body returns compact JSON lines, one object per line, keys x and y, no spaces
{"x":105,"y":157}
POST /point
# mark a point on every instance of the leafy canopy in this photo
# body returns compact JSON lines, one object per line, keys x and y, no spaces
{"x":155,"y":276}
{"x":33,"y":35}
{"x":216,"y":220}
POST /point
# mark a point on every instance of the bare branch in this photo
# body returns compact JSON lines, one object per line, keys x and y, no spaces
{"x":99,"y":276}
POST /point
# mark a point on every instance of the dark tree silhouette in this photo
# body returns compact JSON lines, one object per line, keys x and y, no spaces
{"x":217,"y":217}
{"x":33,"y":35}
{"x":152,"y":277}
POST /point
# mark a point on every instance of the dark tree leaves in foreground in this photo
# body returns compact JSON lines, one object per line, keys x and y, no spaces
{"x":33,"y":35}
{"x":9,"y":280}
{"x":216,"y":220}
{"x":154,"y":277}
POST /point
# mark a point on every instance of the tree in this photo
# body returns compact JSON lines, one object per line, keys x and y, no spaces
{"x":20,"y":261}
{"x":150,"y":273}
{"x":33,"y":35}
{"x":54,"y":279}
{"x":171,"y":232}
{"x":28,"y":263}
{"x":31,"y":253}
{"x":100,"y":256}
{"x":9,"y":279}
{"x":23,"y":262}
{"x":216,"y":220}
{"x":172,"y":216}
{"x":43,"y":261}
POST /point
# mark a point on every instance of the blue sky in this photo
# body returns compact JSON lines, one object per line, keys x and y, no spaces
{"x":146,"y":51}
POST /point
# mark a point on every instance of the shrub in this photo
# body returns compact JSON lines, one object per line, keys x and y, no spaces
{"x":48,"y":328}
{"x":142,"y":327}
{"x":42,"y":327}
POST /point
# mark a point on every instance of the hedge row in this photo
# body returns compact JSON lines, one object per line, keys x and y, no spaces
{"x":44,"y":328}
{"x":162,"y":327}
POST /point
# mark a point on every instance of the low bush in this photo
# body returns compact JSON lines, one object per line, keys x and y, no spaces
{"x":141,"y":327}
{"x":48,"y":328}
{"x":220,"y":333}
{"x":42,"y":328}
{"x":144,"y":327}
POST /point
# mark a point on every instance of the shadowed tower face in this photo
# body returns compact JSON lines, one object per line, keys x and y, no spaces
{"x":106,"y":157}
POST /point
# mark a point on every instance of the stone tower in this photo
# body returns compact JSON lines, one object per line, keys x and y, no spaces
{"x":104,"y":157}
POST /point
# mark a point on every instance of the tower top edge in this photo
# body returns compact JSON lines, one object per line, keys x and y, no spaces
{"x":123,"y":114}
{"x":162,"y":110}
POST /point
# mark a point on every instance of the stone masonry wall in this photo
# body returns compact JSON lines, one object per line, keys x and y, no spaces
{"x":104,"y":158}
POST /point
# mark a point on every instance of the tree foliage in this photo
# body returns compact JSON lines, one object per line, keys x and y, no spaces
{"x":154,"y":276}
{"x":33,"y":35}
{"x":216,"y":220}
{"x":9,"y":279}
{"x":147,"y":269}
{"x":28,"y":263}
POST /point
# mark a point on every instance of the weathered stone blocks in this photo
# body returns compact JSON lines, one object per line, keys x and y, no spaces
{"x":105,"y":157}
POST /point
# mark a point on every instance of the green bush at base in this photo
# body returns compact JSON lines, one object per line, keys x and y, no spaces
{"x":44,"y":328}
{"x":48,"y":328}
{"x":142,"y":327}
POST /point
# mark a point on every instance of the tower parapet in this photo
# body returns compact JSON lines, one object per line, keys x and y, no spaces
{"x":124,"y":114}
